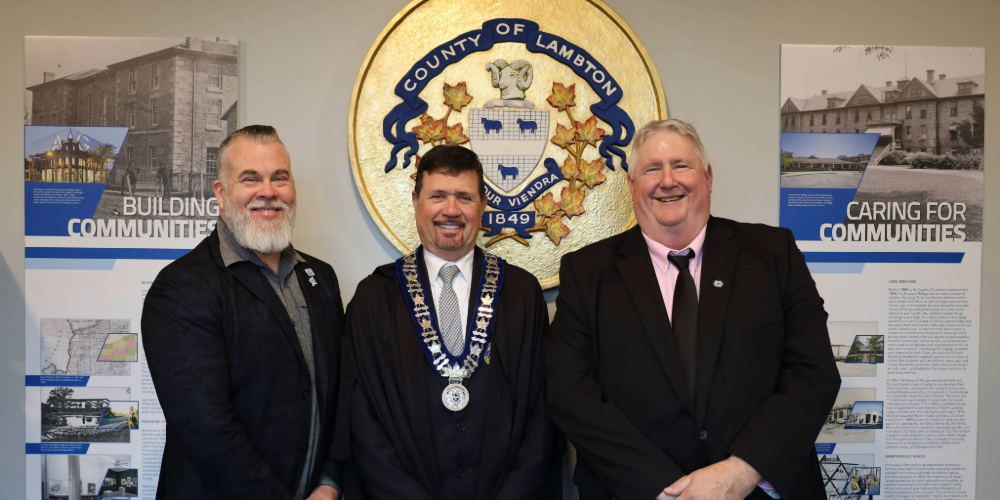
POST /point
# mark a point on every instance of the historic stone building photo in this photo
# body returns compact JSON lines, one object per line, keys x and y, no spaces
{"x":179,"y":104}
{"x":911,"y":114}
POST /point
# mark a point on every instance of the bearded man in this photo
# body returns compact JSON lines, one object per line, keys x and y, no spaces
{"x":242,"y":339}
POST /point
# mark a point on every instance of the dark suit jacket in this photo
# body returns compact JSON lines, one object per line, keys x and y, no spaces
{"x":231,"y":378}
{"x":392,"y":435}
{"x":766,"y":377}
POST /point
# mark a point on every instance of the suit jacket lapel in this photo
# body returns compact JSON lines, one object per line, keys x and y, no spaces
{"x":720,"y":253}
{"x":250,"y":276}
{"x":636,"y":268}
{"x":319,"y":324}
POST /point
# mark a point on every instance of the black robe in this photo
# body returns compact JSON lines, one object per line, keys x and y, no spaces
{"x":396,"y":418}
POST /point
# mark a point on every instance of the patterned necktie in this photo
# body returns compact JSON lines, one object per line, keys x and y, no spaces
{"x":684,"y":324}
{"x":449,"y":314}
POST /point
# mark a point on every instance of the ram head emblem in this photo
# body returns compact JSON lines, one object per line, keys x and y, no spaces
{"x":512,"y":79}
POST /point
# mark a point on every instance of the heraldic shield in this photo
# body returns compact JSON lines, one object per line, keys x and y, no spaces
{"x":509,"y":142}
{"x":547,"y":94}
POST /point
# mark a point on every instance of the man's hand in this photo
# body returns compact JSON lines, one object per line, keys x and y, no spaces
{"x":730,"y":479}
{"x":324,"y":493}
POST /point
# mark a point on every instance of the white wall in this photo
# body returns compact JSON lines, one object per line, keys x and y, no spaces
{"x":718,"y":61}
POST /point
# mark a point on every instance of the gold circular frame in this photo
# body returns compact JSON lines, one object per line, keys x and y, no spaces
{"x":490,"y":10}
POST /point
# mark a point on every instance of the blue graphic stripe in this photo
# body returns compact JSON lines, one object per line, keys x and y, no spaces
{"x":825,"y":448}
{"x":56,"y":380}
{"x":104,"y":253}
{"x":56,"y":448}
{"x":887,"y":257}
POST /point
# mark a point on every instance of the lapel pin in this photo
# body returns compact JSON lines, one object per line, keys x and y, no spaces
{"x":717,"y":283}
{"x":313,"y":281}
{"x":309,"y":272}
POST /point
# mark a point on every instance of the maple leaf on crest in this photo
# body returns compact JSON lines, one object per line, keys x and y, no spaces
{"x":571,"y":202}
{"x":590,"y":173}
{"x":453,"y":135}
{"x":546,"y":206}
{"x":562,"y":97}
{"x":588,"y":131}
{"x":456,"y":97}
{"x":416,"y":161}
{"x":429,"y":129}
{"x":564,"y":136}
{"x":569,"y":168}
{"x":556,"y":230}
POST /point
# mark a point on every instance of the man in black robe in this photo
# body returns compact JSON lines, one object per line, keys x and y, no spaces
{"x":496,"y":441}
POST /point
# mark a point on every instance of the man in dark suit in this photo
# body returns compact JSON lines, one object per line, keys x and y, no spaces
{"x":242,"y":337}
{"x":690,"y":356}
{"x":444,"y":351}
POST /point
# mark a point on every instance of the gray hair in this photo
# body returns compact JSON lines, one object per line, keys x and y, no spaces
{"x":672,"y":125}
{"x":257,"y":134}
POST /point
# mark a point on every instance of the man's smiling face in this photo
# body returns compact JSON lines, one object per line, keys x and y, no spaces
{"x":257,"y":195}
{"x":671,"y":189}
{"x":448,"y":211}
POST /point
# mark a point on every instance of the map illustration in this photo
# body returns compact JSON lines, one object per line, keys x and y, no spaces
{"x":73,"y":346}
{"x":120,"y":347}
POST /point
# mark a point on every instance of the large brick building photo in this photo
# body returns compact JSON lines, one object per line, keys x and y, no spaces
{"x":71,"y":162}
{"x":913,"y":115}
{"x":179,"y":104}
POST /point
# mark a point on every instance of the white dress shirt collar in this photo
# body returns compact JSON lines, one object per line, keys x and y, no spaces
{"x":435,"y":263}
{"x":461,"y":284}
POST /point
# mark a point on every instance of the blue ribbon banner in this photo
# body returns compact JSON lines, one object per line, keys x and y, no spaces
{"x":507,"y":31}
{"x":498,"y":219}
{"x":532,"y":190}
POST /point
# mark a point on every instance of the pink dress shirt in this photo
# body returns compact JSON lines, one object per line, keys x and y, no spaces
{"x":666,"y":276}
{"x":666,"y":273}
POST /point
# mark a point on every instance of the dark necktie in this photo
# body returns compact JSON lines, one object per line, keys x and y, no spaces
{"x":684,"y":323}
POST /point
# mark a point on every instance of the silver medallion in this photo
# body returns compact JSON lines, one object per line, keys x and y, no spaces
{"x":455,"y":396}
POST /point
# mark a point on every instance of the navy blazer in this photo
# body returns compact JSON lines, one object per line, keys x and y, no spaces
{"x":231,"y":378}
{"x":765,"y":377}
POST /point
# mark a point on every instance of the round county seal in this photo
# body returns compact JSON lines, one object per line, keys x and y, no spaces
{"x":548,"y":94}
{"x":455,"y":396}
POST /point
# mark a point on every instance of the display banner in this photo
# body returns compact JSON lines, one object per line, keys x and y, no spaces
{"x":121,"y":139}
{"x":881,"y":169}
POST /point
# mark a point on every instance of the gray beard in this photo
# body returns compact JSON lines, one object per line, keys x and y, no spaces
{"x":260,"y":236}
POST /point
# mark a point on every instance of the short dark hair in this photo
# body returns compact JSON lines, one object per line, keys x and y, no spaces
{"x":450,"y":160}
